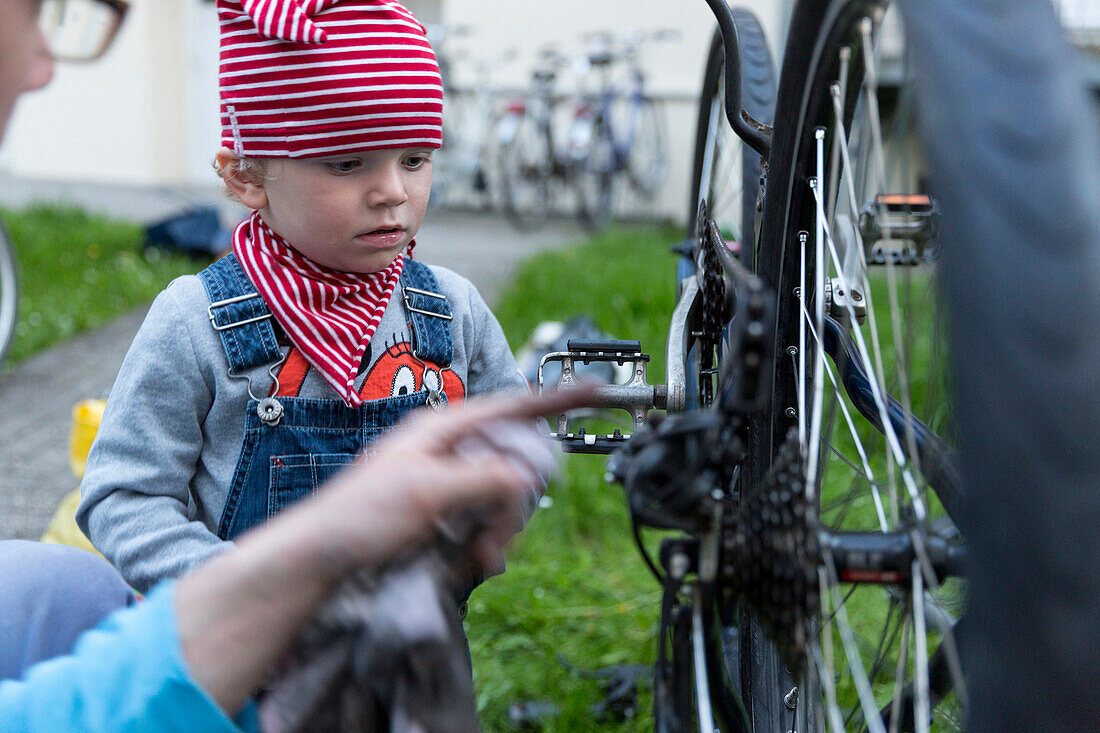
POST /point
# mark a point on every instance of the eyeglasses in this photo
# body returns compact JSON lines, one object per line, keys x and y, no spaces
{"x":80,"y":30}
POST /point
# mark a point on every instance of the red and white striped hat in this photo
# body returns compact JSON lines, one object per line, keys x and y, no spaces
{"x":316,"y":78}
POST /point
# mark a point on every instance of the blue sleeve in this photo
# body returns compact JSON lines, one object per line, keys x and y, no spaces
{"x":127,"y":674}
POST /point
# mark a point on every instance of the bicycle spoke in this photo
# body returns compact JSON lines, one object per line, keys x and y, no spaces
{"x":866,"y":471}
{"x":713,"y":133}
{"x":899,"y":678}
{"x":826,"y":666}
{"x":947,"y":634}
{"x":728,"y":158}
{"x":841,"y":88}
{"x":851,"y":651}
{"x":702,"y":688}
{"x":879,"y":183}
{"x":876,"y":390}
{"x":837,"y":92}
{"x":885,"y":642}
{"x":819,"y":318}
{"x":921,"y":707}
{"x":802,"y":342}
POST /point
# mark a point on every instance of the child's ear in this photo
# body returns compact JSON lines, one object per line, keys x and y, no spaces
{"x":248,"y":189}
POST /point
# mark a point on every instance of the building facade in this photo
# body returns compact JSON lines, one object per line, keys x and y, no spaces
{"x":147,"y":113}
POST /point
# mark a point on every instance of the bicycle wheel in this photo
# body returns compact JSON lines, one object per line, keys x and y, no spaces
{"x":726,"y":171}
{"x":526,"y":170}
{"x":859,"y":423}
{"x":647,"y":160}
{"x":1019,"y":196}
{"x":9,"y":290}
{"x":594,"y":170}
{"x":726,"y":177}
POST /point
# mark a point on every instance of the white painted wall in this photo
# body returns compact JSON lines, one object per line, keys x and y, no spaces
{"x":200,"y":87}
{"x":117,"y":120}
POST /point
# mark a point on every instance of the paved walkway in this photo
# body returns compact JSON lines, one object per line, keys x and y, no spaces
{"x":38,"y":396}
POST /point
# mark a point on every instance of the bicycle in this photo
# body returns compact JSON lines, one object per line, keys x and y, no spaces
{"x":622,"y":129}
{"x":533,"y":159}
{"x":463,"y":171}
{"x":753,"y":612}
{"x":9,"y":290}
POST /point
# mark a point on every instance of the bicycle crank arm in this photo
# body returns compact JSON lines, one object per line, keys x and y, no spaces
{"x":636,"y":397}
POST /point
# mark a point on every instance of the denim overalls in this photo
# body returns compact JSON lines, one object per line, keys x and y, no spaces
{"x":294,"y":444}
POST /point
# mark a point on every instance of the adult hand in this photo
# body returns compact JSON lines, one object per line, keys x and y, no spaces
{"x":428,"y":468}
{"x":238,"y":613}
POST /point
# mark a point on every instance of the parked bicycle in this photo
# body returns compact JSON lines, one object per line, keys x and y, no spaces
{"x":537,"y":159}
{"x":464,"y":170}
{"x":807,"y":455}
{"x":621,"y":126}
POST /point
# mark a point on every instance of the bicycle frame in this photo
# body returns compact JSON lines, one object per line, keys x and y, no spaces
{"x":539,"y":106}
{"x":622,"y":138}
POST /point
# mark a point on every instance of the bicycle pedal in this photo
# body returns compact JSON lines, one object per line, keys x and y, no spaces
{"x":635,"y":396}
{"x":898,"y":216}
{"x":584,"y":442}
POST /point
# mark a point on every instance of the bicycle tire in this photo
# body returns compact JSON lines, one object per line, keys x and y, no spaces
{"x":731,"y":193}
{"x":820,"y":32}
{"x":1019,"y":197}
{"x":9,"y":291}
{"x":595,"y":168}
{"x":525,"y":171}
{"x":647,"y":159}
{"x":733,"y":163}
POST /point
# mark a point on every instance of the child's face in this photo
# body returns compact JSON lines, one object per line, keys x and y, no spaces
{"x":353,"y":213}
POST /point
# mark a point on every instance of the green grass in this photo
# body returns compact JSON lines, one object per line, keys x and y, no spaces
{"x":78,"y":271}
{"x":575,"y":585}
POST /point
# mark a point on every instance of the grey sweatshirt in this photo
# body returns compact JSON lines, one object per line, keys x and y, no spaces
{"x":162,"y":463}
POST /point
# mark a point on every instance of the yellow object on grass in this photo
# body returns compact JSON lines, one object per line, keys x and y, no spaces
{"x":86,"y":417}
{"x":63,"y":529}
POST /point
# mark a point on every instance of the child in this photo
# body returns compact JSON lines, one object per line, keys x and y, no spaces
{"x":253,"y":382}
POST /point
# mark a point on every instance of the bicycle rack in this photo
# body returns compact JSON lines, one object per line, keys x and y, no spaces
{"x":636,"y":396}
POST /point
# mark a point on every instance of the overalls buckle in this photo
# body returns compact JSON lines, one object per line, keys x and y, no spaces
{"x":427,"y":293}
{"x":231,"y":301}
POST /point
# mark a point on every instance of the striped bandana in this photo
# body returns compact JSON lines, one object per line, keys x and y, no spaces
{"x":328,"y":314}
{"x":318,"y":78}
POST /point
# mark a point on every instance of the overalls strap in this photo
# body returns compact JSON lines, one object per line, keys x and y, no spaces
{"x":240,"y":316}
{"x":429,"y":314}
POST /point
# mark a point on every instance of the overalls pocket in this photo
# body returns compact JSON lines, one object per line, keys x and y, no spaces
{"x":293,"y":477}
